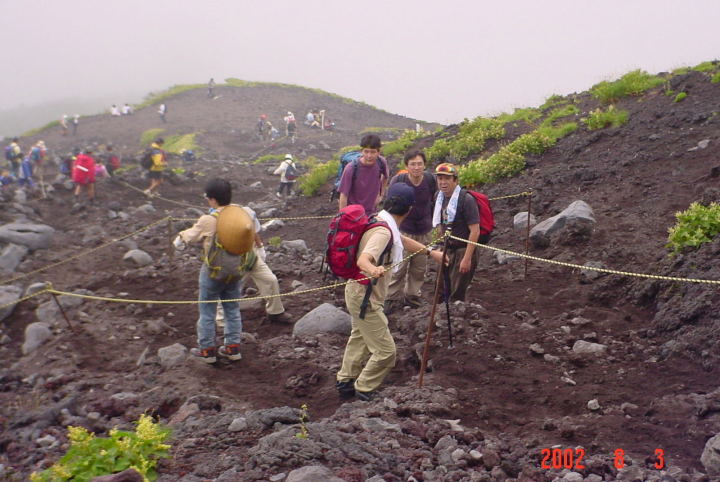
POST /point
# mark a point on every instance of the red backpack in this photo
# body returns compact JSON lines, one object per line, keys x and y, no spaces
{"x":487,"y":218}
{"x":343,"y":239}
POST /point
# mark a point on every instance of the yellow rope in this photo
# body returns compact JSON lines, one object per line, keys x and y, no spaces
{"x":601,"y":270}
{"x":179,"y":203}
{"x":25,"y":298}
{"x":526,"y":193}
{"x":80,"y":255}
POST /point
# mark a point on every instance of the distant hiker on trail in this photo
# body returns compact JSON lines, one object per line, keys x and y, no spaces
{"x":310,"y":120}
{"x":83,"y":174}
{"x":274,"y":133}
{"x":114,"y":111}
{"x":75,"y":122}
{"x":162,"y":110}
{"x":6,"y":179}
{"x":188,"y":155}
{"x":380,"y":247}
{"x":26,"y":173}
{"x":211,"y":86}
{"x":261,"y":126}
{"x":112,"y":161}
{"x":64,"y":124}
{"x":457,"y":210}
{"x":288,"y":175}
{"x":364,"y":181}
{"x":38,"y":153}
{"x":126,"y":109}
{"x":159,"y":164}
{"x":14,"y":155}
{"x":227,"y":236}
{"x":290,"y":126}
{"x":406,"y":284}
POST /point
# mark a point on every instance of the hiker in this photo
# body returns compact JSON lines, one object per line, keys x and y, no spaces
{"x":75,"y":122}
{"x":112,"y":161}
{"x":218,"y":193}
{"x":370,"y":333}
{"x":406,"y":283}
{"x":159,"y":164}
{"x":211,"y":86}
{"x":126,"y":109}
{"x":288,"y":175}
{"x":290,"y":126}
{"x":6,"y":179}
{"x":188,"y":155}
{"x":364,"y":181}
{"x":458,"y":211}
{"x":83,"y":174}
{"x":261,"y":126}
{"x":14,"y":155}
{"x":162,"y":110}
{"x":309,"y":118}
{"x":114,"y":111}
{"x":64,"y":124}
{"x":26,"y":173}
{"x":38,"y":153}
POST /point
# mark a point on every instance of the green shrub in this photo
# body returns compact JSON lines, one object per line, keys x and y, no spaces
{"x":612,"y":117}
{"x":697,"y":225}
{"x":529,"y":115}
{"x":401,"y":144}
{"x":382,"y":130}
{"x":90,"y":456}
{"x":38,"y":130}
{"x":715,"y":78}
{"x":317,"y":176}
{"x":681,"y":71}
{"x":275,"y":241}
{"x":681,"y":96}
{"x":469,"y":140}
{"x":559,"y":113}
{"x":269,"y":157}
{"x":708,"y":66}
{"x":181,"y":142}
{"x":157,"y":97}
{"x":553,"y":101}
{"x":558,"y":132}
{"x":632,"y":83}
{"x":149,"y":136}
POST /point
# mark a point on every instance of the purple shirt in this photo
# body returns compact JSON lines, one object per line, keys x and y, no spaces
{"x":365,"y":188}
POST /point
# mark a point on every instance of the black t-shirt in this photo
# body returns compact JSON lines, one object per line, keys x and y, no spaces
{"x":467,"y":214}
{"x":419,"y":221}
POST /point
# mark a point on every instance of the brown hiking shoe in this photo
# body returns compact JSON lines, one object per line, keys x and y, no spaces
{"x":281,"y":318}
{"x":206,"y":355}
{"x":231,"y":352}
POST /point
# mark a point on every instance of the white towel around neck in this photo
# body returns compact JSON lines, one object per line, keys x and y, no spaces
{"x":451,"y":207}
{"x":396,"y":254}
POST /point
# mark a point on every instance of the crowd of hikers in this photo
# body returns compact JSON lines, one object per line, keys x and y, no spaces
{"x":266,"y":131}
{"x":381,"y":221}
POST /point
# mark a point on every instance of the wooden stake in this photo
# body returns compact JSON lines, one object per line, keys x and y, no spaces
{"x":527,"y":234}
{"x":171,"y":250}
{"x":62,"y":311}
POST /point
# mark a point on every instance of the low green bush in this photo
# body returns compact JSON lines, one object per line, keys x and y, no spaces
{"x":697,"y":225}
{"x":632,"y":83}
{"x":181,"y":142}
{"x":612,"y":117}
{"x":382,"y":130}
{"x":680,"y":97}
{"x":38,"y":130}
{"x":90,"y":456}
{"x":553,"y":101}
{"x":317,"y":176}
{"x":470,"y":139}
{"x":401,"y":144}
{"x":157,"y":97}
{"x":149,"y":136}
{"x":707,"y":66}
{"x":529,"y":115}
{"x":715,"y":78}
{"x":268,"y":158}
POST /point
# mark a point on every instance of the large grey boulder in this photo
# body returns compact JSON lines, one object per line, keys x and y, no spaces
{"x":35,"y":335}
{"x":11,"y":257}
{"x":312,"y":473}
{"x":520,"y":221}
{"x":34,"y":236}
{"x":8,"y":294}
{"x":583,"y":347}
{"x":577,"y":217}
{"x":296,"y":245}
{"x":138,"y":257}
{"x":172,"y":355}
{"x":273,"y":224}
{"x":710,"y":457}
{"x":326,"y":318}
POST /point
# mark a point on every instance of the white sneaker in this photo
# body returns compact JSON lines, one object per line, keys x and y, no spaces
{"x":278,"y":195}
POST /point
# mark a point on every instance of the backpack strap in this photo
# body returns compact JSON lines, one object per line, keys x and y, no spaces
{"x":368,"y":290}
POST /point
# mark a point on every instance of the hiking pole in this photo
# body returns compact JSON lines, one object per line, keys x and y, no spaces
{"x":423,"y":362}
{"x":527,"y":234}
{"x":446,"y":282}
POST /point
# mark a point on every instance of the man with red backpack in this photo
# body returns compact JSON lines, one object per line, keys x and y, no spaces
{"x":458,"y":210}
{"x":370,"y":246}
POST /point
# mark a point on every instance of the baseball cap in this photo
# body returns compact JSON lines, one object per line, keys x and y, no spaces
{"x":446,"y":169}
{"x":403,"y":192}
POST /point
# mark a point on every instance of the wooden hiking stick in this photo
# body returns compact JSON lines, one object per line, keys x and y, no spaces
{"x":426,"y":349}
{"x":527,"y":234}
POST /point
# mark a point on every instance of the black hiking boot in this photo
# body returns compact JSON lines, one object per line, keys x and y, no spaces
{"x":365,"y":396}
{"x":345,"y":389}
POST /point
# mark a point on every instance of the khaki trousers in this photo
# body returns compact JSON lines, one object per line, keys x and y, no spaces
{"x":409,"y":278}
{"x":460,"y":282}
{"x":267,"y":284}
{"x":369,"y":336}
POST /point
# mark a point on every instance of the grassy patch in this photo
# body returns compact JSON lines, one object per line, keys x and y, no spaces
{"x":632,"y":83}
{"x":400,"y":145}
{"x":38,"y":130}
{"x":708,"y":66}
{"x":317,"y":176}
{"x":268,"y":158}
{"x":696,"y":226}
{"x":612,"y":117}
{"x":157,"y":97}
{"x":275,"y":241}
{"x":528,"y":115}
{"x":149,"y":136}
{"x":680,"y":97}
{"x":553,"y":101}
{"x":382,"y":130}
{"x":715,"y":78}
{"x":181,"y":142}
{"x":470,"y":139}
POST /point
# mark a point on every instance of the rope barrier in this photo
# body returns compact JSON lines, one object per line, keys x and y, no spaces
{"x":520,"y":194}
{"x":25,"y":298}
{"x":601,"y":270}
{"x":80,"y":255}
{"x":179,"y":203}
{"x":197,"y":302}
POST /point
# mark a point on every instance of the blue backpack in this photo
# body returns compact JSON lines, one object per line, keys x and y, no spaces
{"x":10,"y":152}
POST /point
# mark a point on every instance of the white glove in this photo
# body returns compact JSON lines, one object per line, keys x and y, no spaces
{"x":179,"y":243}
{"x":261,"y":253}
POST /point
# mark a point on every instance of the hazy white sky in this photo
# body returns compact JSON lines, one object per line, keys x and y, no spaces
{"x":433,"y":60}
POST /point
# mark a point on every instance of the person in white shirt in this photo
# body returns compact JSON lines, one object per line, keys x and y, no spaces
{"x":288,"y":175}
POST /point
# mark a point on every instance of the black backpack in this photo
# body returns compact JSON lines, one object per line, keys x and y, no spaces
{"x":146,"y":161}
